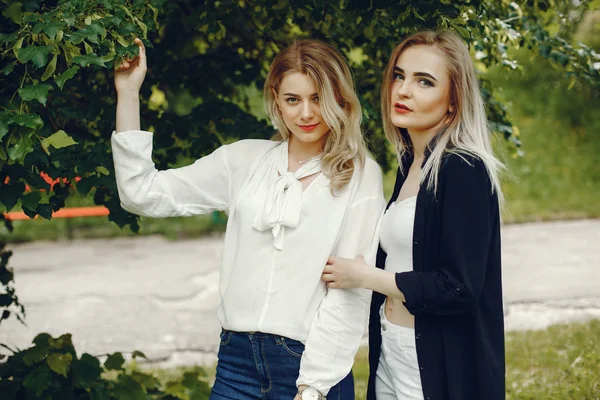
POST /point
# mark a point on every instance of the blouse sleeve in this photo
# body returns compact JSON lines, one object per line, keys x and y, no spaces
{"x":199,"y":188}
{"x":339,"y":325}
{"x":468,"y":215}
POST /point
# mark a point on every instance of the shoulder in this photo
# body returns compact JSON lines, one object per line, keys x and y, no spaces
{"x":249,"y":146}
{"x":462,"y":164}
{"x":247,"y":150}
{"x":371,"y":170}
{"x":368,"y":177}
{"x":464,"y":171}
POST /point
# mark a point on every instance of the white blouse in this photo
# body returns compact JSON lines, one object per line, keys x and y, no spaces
{"x":277,"y":241}
{"x":396,"y":235}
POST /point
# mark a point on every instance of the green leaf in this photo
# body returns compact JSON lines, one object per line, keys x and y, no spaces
{"x":50,"y":68}
{"x":58,"y":140}
{"x":143,"y":27}
{"x":96,"y":28}
{"x":128,"y":388}
{"x":147,"y":381}
{"x":105,"y":172}
{"x":53,"y":28}
{"x":14,"y":12}
{"x":121,"y":40}
{"x":8,"y":37}
{"x":8,"y":69}
{"x":114,"y":362}
{"x":39,"y":380}
{"x":31,"y":199}
{"x":136,"y":353}
{"x":23,"y":147}
{"x":68,"y":74}
{"x":36,"y":54}
{"x":10,"y":193}
{"x":86,"y":371}
{"x":32,"y":121}
{"x":42,"y":339}
{"x":60,"y":363}
{"x":89,"y":59}
{"x":63,"y":342}
{"x":17,"y":47}
{"x":88,"y":48}
{"x":35,"y":355}
{"x":44,"y":210}
{"x":37,"y":92}
{"x":3,"y":126}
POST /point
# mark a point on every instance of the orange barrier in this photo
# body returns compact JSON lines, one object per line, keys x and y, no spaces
{"x":74,"y":212}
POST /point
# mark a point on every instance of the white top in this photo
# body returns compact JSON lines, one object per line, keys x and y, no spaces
{"x":277,"y":241}
{"x":396,"y":235}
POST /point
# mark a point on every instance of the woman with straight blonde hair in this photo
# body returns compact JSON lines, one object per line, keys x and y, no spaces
{"x":436,"y":328}
{"x":292,"y":203}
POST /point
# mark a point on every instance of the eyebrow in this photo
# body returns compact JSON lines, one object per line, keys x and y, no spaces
{"x":297,"y":95}
{"x":424,"y":74}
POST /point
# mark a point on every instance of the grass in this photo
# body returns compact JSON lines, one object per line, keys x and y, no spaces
{"x":558,"y":363}
{"x":561,"y":362}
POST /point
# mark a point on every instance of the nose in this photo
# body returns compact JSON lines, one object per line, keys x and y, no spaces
{"x":403,"y":89}
{"x":307,"y":112}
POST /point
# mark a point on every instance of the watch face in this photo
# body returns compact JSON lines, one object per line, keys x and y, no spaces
{"x":310,"y":394}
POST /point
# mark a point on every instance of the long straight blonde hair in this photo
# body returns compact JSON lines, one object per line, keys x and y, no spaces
{"x":337,"y":100}
{"x":466,"y":131}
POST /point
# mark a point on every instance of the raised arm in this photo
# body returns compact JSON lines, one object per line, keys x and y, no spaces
{"x":208,"y":184}
{"x":128,"y":82}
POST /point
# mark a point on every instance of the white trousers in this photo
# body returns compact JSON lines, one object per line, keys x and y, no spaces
{"x":398,"y":376}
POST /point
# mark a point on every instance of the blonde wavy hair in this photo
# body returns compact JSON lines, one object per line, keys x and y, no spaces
{"x":338,"y":102}
{"x":466,"y":131}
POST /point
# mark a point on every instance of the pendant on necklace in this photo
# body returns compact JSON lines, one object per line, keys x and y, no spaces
{"x":302,"y":162}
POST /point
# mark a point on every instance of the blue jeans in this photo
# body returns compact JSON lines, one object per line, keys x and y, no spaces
{"x":255,"y":365}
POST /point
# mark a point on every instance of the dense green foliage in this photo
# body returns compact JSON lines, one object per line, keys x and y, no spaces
{"x":57,"y":97}
{"x":51,"y":369}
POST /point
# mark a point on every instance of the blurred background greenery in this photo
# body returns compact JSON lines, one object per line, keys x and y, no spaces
{"x":557,"y":176}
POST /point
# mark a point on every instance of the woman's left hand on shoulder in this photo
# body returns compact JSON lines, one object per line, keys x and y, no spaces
{"x":344,"y":273}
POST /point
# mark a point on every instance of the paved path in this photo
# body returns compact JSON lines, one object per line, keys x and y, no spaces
{"x":159,"y":297}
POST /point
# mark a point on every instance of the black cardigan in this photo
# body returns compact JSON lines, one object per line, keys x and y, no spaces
{"x":455,"y":288}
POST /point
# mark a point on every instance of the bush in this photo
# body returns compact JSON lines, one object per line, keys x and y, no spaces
{"x":51,"y":369}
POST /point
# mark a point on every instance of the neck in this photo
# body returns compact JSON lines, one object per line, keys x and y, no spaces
{"x":302,"y":151}
{"x":419,"y":140}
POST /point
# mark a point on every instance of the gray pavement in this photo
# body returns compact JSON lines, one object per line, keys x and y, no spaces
{"x":159,"y":296}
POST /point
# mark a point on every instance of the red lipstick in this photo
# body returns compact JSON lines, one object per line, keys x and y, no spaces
{"x":308,"y":128}
{"x":401,"y":108}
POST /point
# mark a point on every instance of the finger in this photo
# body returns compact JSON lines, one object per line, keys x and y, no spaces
{"x":331,"y":260}
{"x":328,"y":269}
{"x":333,"y":285}
{"x":327,"y":278}
{"x":142,"y":52}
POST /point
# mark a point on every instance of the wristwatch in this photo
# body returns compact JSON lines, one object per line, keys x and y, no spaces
{"x":310,"y":393}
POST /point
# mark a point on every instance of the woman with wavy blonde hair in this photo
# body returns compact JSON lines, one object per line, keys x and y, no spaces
{"x":436,"y":328}
{"x":292,"y":203}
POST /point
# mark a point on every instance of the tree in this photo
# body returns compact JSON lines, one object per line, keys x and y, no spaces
{"x":208,"y":60}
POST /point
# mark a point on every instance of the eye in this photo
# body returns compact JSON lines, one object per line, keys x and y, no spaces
{"x":425,"y":83}
{"x":398,"y":77}
{"x":291,"y":100}
{"x":315,"y":99}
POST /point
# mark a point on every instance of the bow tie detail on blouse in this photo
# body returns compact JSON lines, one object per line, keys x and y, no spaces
{"x":283,"y":205}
